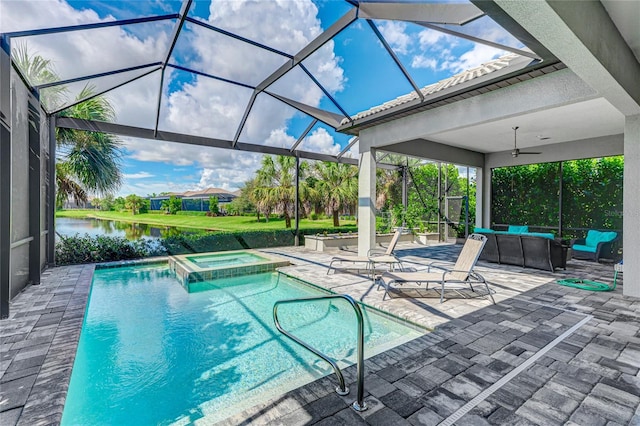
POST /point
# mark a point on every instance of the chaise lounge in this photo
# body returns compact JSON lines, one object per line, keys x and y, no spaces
{"x":462,"y":272}
{"x":373,"y":256}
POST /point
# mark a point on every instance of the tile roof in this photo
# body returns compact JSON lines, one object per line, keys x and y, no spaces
{"x":463,"y":77}
{"x":202,"y":192}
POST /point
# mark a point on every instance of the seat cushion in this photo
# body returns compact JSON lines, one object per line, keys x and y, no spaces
{"x":594,"y":237}
{"x":518,"y":229}
{"x":540,"y":234}
{"x":580,"y":247}
{"x":484,"y":230}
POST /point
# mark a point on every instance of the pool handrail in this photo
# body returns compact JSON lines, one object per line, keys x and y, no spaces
{"x":359,"y":404}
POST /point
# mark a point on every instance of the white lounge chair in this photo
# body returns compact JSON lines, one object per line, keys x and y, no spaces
{"x":461,"y":273}
{"x":373,"y":256}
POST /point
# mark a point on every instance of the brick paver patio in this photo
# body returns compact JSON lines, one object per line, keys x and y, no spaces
{"x":543,"y":355}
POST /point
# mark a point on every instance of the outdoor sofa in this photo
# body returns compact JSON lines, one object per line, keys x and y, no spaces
{"x":517,"y":246}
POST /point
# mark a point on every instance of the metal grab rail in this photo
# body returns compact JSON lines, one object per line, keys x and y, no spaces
{"x":359,"y":404}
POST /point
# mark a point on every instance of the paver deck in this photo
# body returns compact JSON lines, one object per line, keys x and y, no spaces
{"x":544,"y":354}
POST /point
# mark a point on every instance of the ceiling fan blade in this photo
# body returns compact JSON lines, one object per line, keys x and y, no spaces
{"x":529,"y":152}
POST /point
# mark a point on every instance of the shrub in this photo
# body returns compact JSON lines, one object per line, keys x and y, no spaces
{"x":225,"y":241}
{"x":190,"y":213}
{"x":101,"y":248}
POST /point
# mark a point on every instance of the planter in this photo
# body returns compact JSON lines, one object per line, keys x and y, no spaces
{"x":426,"y":237}
{"x":333,"y":242}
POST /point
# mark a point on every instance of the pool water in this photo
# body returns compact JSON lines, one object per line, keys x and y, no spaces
{"x":225,"y":259}
{"x":151,"y":353}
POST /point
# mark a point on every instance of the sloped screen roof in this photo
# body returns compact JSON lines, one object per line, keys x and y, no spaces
{"x":262,"y":76}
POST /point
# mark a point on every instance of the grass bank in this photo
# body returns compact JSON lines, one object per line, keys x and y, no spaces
{"x":221,"y":223}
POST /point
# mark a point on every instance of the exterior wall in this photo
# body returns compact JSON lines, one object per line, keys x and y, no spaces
{"x":631,"y":236}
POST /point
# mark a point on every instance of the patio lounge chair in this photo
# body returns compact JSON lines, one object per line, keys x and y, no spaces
{"x":373,"y":256}
{"x":462,"y":272}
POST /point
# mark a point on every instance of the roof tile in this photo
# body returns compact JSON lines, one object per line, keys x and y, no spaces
{"x":464,"y":76}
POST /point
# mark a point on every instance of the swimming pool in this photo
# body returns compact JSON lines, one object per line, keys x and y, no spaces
{"x":151,"y":353}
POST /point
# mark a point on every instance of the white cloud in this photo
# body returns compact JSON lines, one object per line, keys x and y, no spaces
{"x":229,"y":179}
{"x":429,"y":38}
{"x":320,"y":141}
{"x":472,"y":58}
{"x":280,"y":138}
{"x":138,"y":175}
{"x":421,"y":61}
{"x":394,"y":33}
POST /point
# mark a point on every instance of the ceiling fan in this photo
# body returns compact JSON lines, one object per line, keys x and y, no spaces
{"x":516,"y":151}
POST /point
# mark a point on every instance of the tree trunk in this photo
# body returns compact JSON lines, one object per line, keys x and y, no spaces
{"x":336,"y":219}
{"x":287,"y":220}
{"x":258,"y":214}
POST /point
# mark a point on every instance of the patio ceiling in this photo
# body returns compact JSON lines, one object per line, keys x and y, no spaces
{"x":202,"y":76}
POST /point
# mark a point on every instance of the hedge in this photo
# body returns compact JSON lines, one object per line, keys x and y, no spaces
{"x":88,"y":249}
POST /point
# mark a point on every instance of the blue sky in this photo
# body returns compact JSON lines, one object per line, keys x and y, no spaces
{"x":354,"y":67}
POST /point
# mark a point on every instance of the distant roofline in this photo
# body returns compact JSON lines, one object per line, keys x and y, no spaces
{"x":197,"y":193}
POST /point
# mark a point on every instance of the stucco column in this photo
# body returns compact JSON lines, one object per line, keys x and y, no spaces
{"x":631,"y":230}
{"x":484,"y":178}
{"x":480,"y":202}
{"x":366,"y":200}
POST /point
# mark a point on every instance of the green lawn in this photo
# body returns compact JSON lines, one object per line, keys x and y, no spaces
{"x":222,"y":223}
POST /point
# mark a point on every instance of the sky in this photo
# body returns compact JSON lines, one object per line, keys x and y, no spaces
{"x":354,"y":69}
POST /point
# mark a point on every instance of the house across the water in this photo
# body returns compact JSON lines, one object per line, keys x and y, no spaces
{"x":195,"y":200}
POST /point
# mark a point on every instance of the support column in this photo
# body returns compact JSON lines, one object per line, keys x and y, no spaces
{"x":466,"y":208}
{"x":51,"y":193}
{"x":5,"y":179}
{"x":34,"y":191}
{"x":484,"y":180}
{"x":631,"y":218}
{"x":367,"y":201}
{"x":405,"y":193}
{"x":479,"y":198}
{"x":296,"y":238}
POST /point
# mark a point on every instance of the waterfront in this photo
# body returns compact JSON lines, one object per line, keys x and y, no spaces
{"x":68,"y":227}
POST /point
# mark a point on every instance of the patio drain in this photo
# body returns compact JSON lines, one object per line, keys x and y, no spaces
{"x":513,"y":373}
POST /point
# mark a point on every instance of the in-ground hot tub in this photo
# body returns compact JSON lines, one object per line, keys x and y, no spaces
{"x":190,"y":268}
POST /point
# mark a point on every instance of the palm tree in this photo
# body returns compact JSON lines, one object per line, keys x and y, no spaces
{"x":93,"y":157}
{"x":275,"y":184}
{"x":338,"y":186}
{"x":67,"y":187}
{"x":39,"y":70}
{"x":88,"y":160}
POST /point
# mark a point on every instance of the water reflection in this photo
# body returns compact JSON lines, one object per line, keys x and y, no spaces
{"x":69,"y":227}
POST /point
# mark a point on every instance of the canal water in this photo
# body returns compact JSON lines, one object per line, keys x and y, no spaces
{"x":69,"y":227}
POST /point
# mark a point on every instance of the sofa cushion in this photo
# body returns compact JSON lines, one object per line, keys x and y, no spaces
{"x":485,"y":230}
{"x":540,"y":234}
{"x":594,"y":237}
{"x":518,"y":229}
{"x":580,"y":247}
